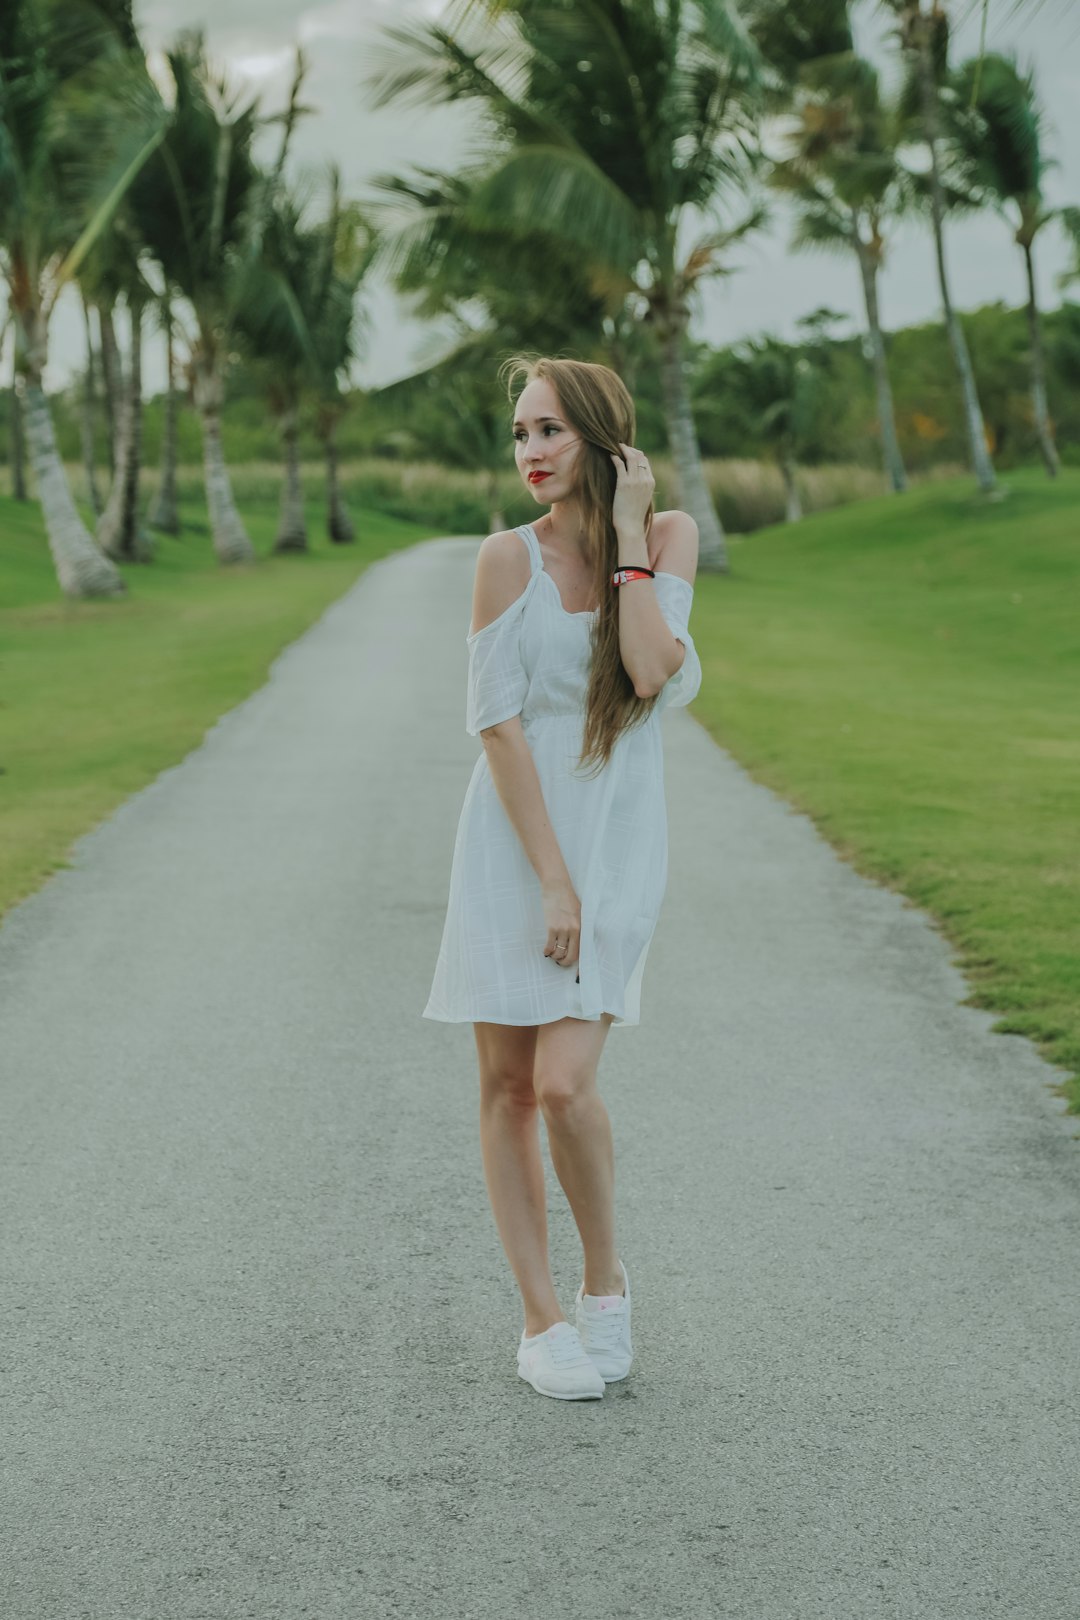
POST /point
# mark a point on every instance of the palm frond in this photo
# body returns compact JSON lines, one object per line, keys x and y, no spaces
{"x":565,"y":194}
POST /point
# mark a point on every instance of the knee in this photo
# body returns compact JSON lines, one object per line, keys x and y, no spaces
{"x":560,"y":1094}
{"x":510,"y":1090}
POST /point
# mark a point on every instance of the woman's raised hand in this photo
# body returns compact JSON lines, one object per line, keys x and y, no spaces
{"x":562,"y":914}
{"x":634,"y":489}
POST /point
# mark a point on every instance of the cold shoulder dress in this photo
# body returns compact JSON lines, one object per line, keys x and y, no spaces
{"x":533,"y":660}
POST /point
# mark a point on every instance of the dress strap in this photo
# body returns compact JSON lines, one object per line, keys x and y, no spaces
{"x":528,"y":534}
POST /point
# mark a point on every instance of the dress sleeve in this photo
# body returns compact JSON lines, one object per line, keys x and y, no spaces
{"x":675,"y":596}
{"x":498,"y":681}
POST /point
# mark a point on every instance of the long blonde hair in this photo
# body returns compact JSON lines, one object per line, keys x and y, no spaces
{"x":597,"y":404}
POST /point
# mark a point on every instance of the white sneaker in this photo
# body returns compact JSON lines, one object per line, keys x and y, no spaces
{"x":555,"y":1363}
{"x":603,"y":1321}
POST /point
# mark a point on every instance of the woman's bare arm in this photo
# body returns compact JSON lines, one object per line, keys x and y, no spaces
{"x":513,"y":770}
{"x":650,"y":653}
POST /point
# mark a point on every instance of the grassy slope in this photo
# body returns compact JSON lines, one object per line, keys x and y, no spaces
{"x":906,"y":672}
{"x":96,"y":698}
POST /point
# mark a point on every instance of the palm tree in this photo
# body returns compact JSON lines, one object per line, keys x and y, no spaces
{"x":924,"y":37}
{"x":75,"y":129}
{"x":494,"y":293}
{"x":844,"y":178}
{"x":113,"y":272}
{"x":618,"y":124}
{"x":88,"y":413}
{"x":18,"y":445}
{"x":348,"y":243}
{"x":196,"y":205}
{"x":1070,"y":219}
{"x":996,"y":130}
{"x":779,"y":384}
{"x":272,"y":323}
{"x":164,"y":512}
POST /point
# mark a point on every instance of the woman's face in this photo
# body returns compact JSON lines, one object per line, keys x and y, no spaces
{"x":547,"y":448}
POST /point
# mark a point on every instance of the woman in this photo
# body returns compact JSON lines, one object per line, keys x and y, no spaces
{"x":579,"y":640}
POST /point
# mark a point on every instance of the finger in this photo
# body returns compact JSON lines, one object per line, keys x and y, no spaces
{"x":620,"y":466}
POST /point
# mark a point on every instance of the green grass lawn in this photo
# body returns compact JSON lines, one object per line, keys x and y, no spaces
{"x":906,"y":671}
{"x":96,"y":698}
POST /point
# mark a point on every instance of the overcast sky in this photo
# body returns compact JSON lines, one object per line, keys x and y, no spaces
{"x":254,"y":41}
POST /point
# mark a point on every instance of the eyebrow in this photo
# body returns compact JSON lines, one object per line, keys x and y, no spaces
{"x":519,"y":423}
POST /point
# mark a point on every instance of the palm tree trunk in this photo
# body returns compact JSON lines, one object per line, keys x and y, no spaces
{"x":81,"y":568}
{"x":86,"y":418}
{"x":231,"y":542}
{"x":1038,"y":373}
{"x":981,"y":463}
{"x":339,"y":524}
{"x":890,"y":444}
{"x":164,"y":513}
{"x":682,"y":435}
{"x":793,"y":505}
{"x":18,"y":443}
{"x":118,"y":532}
{"x":110,"y":371}
{"x":292,"y":532}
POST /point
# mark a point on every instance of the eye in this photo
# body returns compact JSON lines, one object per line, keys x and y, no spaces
{"x":551,"y":428}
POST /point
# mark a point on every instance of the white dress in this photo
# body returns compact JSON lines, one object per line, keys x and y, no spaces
{"x":533,"y":660}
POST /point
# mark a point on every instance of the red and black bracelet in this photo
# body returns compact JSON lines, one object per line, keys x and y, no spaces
{"x":622,"y":575}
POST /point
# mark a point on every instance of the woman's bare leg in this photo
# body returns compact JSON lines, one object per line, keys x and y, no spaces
{"x":579,"y":1136}
{"x":513,"y":1167}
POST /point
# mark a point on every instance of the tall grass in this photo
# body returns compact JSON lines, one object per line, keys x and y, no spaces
{"x":749,"y":494}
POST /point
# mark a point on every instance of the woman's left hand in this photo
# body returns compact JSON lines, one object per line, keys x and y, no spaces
{"x":634,"y":488}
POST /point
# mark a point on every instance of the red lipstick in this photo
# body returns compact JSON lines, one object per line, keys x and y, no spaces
{"x":538,"y":477}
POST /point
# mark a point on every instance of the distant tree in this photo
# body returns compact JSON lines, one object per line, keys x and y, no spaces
{"x":273,"y":312}
{"x":995,"y":137}
{"x":780,"y":386}
{"x":845,"y":180}
{"x":88,"y":413}
{"x":18,"y":442}
{"x":347,"y":243}
{"x":112,"y":273}
{"x":1070,"y":220}
{"x":76,"y":126}
{"x":923,"y":30}
{"x":197,"y":207}
{"x":164,"y":513}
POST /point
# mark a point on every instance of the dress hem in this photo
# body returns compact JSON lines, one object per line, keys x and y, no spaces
{"x":618,"y":1021}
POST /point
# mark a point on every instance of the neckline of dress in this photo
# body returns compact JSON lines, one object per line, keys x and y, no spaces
{"x":583,"y":613}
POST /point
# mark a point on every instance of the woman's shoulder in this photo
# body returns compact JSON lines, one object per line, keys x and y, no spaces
{"x":673,"y":544}
{"x":502,"y":575}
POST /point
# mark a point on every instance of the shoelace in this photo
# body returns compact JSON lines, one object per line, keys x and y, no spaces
{"x":565,"y":1349}
{"x":605,"y":1328}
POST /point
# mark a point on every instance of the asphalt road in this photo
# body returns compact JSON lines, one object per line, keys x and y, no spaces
{"x":258,"y":1333}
